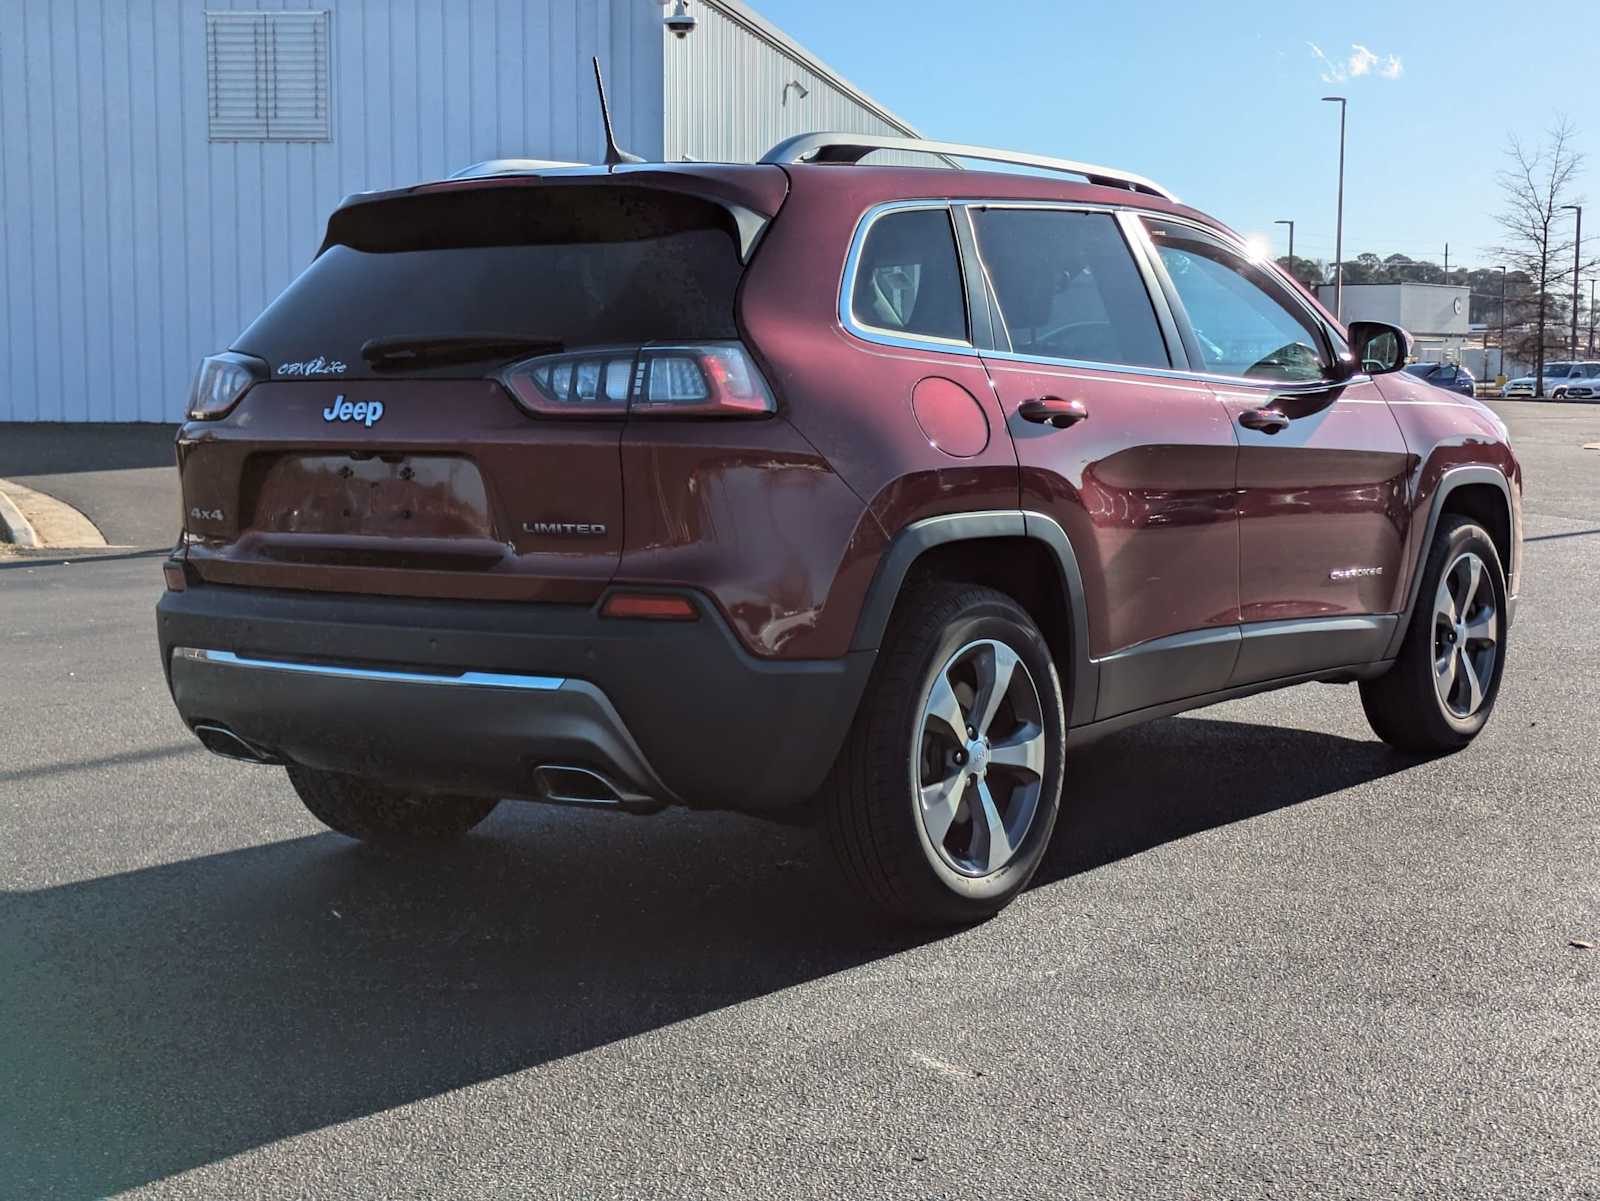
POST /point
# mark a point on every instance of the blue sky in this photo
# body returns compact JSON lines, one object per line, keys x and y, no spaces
{"x":1219,"y":101}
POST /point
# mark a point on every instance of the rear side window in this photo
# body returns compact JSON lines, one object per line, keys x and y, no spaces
{"x":577,"y":265}
{"x":908,"y":279}
{"x":1068,"y":287}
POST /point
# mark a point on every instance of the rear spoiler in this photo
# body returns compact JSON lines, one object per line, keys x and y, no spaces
{"x":750,"y":195}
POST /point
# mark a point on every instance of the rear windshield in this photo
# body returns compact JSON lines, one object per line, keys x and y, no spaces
{"x":581,"y":266}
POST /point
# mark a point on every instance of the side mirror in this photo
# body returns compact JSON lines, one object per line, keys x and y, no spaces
{"x":1379,"y":347}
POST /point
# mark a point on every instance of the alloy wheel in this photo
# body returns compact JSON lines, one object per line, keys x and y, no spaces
{"x":1466,"y":633}
{"x":979,"y":758}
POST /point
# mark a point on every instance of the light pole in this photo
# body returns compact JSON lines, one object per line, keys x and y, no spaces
{"x":1577,"y":257}
{"x":1338,"y":229}
{"x":1591,"y":318}
{"x":1290,"y":224}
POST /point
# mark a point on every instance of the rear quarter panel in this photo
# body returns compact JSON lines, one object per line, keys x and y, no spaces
{"x":851,"y":400}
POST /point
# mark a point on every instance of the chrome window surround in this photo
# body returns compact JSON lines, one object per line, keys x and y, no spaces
{"x":466,"y":679}
{"x":892,"y":337}
{"x":1130,"y":219}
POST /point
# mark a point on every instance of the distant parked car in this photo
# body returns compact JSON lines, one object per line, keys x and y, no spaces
{"x":1583,"y":389}
{"x":1557,"y":379}
{"x":1450,"y":376}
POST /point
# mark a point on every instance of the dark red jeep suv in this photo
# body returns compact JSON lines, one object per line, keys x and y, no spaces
{"x":810,"y":487}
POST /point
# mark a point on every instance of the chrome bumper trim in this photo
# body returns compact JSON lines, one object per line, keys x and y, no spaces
{"x":469,"y":679}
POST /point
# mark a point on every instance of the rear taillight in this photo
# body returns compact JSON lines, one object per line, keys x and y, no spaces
{"x":221,"y":382}
{"x":703,"y":379}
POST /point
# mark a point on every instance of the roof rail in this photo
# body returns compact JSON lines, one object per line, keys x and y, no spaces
{"x":852,"y":147}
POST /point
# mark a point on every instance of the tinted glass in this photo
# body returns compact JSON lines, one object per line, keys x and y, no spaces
{"x":1244,"y":318}
{"x":908,"y":280}
{"x":582,"y":266}
{"x":1068,"y":287}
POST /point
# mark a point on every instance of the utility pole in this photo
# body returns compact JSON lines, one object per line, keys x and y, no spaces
{"x":1290,"y":224}
{"x":1501,"y":373}
{"x":1338,"y":229}
{"x":1577,"y":259}
{"x":1447,"y":262}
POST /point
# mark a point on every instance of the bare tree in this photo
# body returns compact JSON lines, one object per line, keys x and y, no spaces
{"x":1535,"y":186}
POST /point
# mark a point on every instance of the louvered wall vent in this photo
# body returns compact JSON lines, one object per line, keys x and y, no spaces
{"x":267,"y":76}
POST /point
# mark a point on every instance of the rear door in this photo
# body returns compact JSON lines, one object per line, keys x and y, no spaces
{"x":1323,"y":468}
{"x":1139,"y":470}
{"x":385,"y":451}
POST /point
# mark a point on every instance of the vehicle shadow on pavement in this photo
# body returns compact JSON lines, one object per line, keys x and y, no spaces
{"x":1161,"y":782}
{"x":166,"y":1018}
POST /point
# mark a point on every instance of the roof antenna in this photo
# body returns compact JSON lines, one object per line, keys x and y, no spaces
{"x":614,"y":154}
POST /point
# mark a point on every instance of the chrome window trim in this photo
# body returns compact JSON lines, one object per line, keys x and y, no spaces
{"x":847,"y":285}
{"x":1125,"y":214}
{"x":465,"y":679}
{"x":1194,"y":377}
{"x":1012,"y":356}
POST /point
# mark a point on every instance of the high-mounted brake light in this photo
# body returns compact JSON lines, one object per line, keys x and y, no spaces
{"x":702,"y":379}
{"x":221,"y":383}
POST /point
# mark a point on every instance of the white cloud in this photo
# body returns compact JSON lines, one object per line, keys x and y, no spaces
{"x":1360,"y":61}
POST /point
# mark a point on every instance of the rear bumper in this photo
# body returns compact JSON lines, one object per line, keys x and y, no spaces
{"x":486,"y":697}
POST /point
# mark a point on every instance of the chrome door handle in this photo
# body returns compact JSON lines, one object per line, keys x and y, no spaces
{"x":1052,"y":410}
{"x":1266,"y":421}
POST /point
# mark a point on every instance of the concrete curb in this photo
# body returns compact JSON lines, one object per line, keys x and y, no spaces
{"x":39,"y":521}
{"x":14,"y":527}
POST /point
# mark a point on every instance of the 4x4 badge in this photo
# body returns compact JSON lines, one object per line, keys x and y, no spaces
{"x":364,"y":411}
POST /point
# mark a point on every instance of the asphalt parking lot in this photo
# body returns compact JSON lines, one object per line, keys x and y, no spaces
{"x":1267,"y":956}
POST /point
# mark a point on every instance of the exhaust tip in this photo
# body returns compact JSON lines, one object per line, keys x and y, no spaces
{"x":220,"y":740}
{"x":563,"y":784}
{"x":575,"y":786}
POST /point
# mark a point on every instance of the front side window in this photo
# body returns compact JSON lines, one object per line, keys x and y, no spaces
{"x":908,"y":279}
{"x":1067,"y":286}
{"x":1244,"y":319}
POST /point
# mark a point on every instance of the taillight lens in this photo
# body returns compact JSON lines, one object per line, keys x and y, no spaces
{"x":594,"y":384}
{"x":708,"y":379}
{"x":221,"y":382}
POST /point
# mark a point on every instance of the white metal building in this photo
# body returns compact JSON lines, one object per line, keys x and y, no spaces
{"x":1435,"y":315}
{"x":166,"y":166}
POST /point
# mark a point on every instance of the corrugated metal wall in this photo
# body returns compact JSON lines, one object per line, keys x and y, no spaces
{"x":726,"y":94}
{"x":130,"y":245}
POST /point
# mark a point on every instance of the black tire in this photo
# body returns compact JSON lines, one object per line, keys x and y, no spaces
{"x":872,"y":812}
{"x":1404,"y":706}
{"x":386,"y":816}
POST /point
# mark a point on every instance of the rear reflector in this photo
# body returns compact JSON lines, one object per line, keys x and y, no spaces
{"x":650,"y":605}
{"x":703,"y":379}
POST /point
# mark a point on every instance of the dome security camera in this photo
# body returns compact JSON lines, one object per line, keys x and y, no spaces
{"x":679,"y":22}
